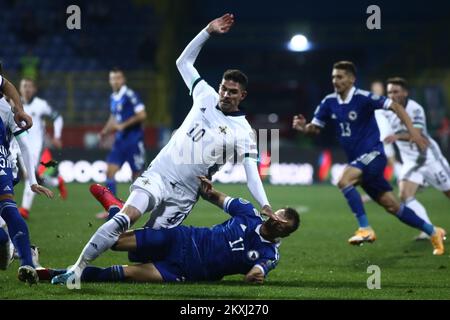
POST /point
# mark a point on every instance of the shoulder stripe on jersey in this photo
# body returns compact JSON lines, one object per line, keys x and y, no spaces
{"x":226,"y":203}
{"x":362,"y":92}
{"x":331,"y":95}
{"x":18,"y":133}
{"x":195,"y":83}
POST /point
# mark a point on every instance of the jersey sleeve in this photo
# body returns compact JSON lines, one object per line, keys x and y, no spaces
{"x":136,"y":102}
{"x":379,"y":102}
{"x":246,"y":146}
{"x":268,"y":262}
{"x":202,"y":91}
{"x":49,"y":111}
{"x":239,"y":206}
{"x":321,"y":115}
{"x":418,"y":118}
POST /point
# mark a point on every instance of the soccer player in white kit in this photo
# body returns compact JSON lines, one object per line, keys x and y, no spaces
{"x":39,"y":109}
{"x":418,"y":167}
{"x":169,"y":188}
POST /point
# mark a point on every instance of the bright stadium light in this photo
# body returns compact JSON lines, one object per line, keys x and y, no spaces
{"x":299,"y":43}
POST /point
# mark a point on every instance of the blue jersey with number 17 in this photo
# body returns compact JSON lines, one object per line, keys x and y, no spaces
{"x":235,"y":246}
{"x":354,"y":120}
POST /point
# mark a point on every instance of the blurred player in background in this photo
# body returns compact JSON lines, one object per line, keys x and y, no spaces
{"x":126,"y":121}
{"x":17,"y":230}
{"x":214,"y":129}
{"x":419,"y":167}
{"x":244,"y":244}
{"x":352,"y":111}
{"x":39,"y":110}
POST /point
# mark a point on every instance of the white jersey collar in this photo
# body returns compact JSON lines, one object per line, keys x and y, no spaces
{"x":118,"y":95}
{"x":348,"y":98}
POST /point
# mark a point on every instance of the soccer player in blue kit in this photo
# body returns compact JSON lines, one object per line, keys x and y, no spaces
{"x":126,"y":119}
{"x":352,"y":111}
{"x":244,"y":244}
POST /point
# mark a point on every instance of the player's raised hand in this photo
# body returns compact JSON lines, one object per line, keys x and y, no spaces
{"x":299,"y":122}
{"x":221,"y":25}
{"x":417,"y":138}
{"x":36,"y":188}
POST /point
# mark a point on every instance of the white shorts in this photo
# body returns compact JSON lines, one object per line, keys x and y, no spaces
{"x":436,"y":173}
{"x":172,"y":202}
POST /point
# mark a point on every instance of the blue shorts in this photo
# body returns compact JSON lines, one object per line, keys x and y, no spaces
{"x":6,"y":181}
{"x":372,"y":165}
{"x":132,"y":152}
{"x":165,"y":248}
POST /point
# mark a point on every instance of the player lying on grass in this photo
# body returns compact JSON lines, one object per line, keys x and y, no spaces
{"x":244,"y":244}
{"x":352,"y":111}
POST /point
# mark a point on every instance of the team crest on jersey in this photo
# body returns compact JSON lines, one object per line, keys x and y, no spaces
{"x":243,"y":201}
{"x":333,"y":116}
{"x":253,"y":255}
{"x":352,"y":115}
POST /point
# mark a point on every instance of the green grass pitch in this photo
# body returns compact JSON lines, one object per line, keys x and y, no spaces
{"x":316,"y":262}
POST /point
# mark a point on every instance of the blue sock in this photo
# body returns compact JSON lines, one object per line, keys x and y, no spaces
{"x":354,"y":201}
{"x":409,"y":217}
{"x":111,"y":185}
{"x":113,"y":210}
{"x":3,"y":236}
{"x":18,"y":231}
{"x":111,"y":274}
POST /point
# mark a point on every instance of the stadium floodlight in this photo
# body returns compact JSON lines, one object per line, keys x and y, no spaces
{"x":299,"y":43}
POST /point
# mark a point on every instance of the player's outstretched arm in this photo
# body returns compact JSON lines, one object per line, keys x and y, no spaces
{"x":415,"y":134}
{"x":210,"y":194}
{"x":19,"y":114}
{"x":299,"y":124}
{"x":185,"y":62}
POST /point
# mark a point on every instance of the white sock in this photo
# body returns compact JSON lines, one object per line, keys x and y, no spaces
{"x":103,"y":239}
{"x":27,"y":198}
{"x":418,"y":208}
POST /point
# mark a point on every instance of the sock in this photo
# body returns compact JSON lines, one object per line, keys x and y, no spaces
{"x":407,"y":216}
{"x":355,"y":203}
{"x":3,"y":236}
{"x":111,"y":185}
{"x":113,"y":210}
{"x":103,"y":239}
{"x":18,"y":231}
{"x":418,"y":209}
{"x":111,"y":274}
{"x":27,"y":198}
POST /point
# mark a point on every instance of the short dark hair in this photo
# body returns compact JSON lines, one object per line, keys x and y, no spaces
{"x":117,"y":69}
{"x":348,"y":66}
{"x":398,"y":81}
{"x":292,"y":214}
{"x":236,"y":76}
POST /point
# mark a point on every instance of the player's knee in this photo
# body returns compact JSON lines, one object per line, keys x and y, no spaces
{"x":342,"y":183}
{"x":392,"y":207}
